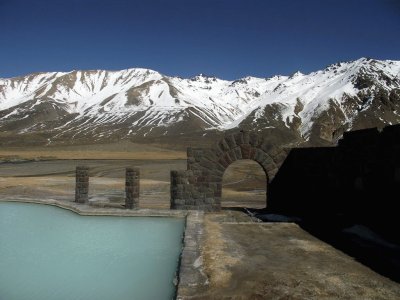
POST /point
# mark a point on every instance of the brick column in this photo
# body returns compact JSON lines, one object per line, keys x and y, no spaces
{"x":82,"y":184}
{"x":132,"y":183}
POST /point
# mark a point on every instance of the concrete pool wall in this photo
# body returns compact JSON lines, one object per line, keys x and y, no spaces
{"x":190,"y":272}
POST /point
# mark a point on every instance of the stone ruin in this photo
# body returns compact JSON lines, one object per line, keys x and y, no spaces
{"x":358,"y":179}
{"x":200,"y":186}
{"x":132,"y":186}
{"x":82,"y":184}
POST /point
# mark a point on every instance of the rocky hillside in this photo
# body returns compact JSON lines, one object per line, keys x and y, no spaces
{"x":144,"y":105}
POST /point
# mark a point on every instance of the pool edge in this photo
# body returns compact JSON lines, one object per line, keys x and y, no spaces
{"x":190,"y":270}
{"x":87,"y":210}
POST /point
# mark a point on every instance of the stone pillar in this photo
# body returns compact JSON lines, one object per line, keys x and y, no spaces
{"x":174,"y":189}
{"x":82,"y":184}
{"x":132,"y":183}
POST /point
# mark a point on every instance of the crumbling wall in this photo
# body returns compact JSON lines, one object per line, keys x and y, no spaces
{"x":200,"y":186}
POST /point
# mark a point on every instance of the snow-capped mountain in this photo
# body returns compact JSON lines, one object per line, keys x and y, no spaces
{"x":137,"y":104}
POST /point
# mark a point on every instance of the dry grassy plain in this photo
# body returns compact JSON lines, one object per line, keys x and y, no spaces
{"x":48,"y":172}
{"x":122,"y":150}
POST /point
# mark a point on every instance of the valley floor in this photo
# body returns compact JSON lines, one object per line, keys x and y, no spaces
{"x":243,"y":185}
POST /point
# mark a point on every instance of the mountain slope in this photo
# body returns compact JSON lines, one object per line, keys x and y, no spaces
{"x":141,"y":104}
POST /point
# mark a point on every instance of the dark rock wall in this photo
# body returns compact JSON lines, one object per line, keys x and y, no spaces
{"x":359,"y":180}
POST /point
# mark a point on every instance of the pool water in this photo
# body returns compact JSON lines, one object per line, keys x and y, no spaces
{"x":48,"y":252}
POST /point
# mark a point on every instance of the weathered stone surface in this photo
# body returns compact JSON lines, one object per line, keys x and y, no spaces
{"x":201,"y":188}
{"x":230,"y":141}
{"x":246,"y":137}
{"x":132,"y":188}
{"x":239,"y":138}
{"x":227,"y":158}
{"x":82,"y":184}
{"x":279,"y":156}
{"x":238,"y":153}
{"x":245,"y":149}
{"x":223,"y":146}
{"x":232,"y":155}
{"x":252,"y":153}
{"x":254,"y":139}
{"x":269,"y":148}
{"x":223,"y":162}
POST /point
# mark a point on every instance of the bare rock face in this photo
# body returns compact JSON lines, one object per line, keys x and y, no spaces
{"x":145,"y":106}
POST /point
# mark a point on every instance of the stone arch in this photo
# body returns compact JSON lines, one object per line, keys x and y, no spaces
{"x":200,"y":186}
{"x":235,"y":180}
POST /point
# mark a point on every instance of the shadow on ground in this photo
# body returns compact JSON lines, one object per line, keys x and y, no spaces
{"x":356,"y":240}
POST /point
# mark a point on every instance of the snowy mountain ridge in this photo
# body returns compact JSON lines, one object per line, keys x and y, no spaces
{"x":139,"y":102}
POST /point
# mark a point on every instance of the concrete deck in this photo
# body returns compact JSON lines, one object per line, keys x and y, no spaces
{"x":238,"y":258}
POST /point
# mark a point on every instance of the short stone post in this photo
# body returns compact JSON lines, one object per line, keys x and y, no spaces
{"x":82,"y":184}
{"x":132,"y":183}
{"x":174,"y":189}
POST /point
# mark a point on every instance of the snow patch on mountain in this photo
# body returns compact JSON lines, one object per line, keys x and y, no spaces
{"x":141,"y":97}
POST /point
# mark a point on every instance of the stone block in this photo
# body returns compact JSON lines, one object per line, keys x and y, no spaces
{"x":254,"y":139}
{"x":230,"y":141}
{"x":215,"y":178}
{"x":238,"y":152}
{"x":217,"y":193}
{"x":268,"y":168}
{"x":132,"y":187}
{"x":245,"y":150}
{"x":279,"y":158}
{"x":272,"y":173}
{"x":207,"y":164}
{"x":82,"y":184}
{"x":219,"y":167}
{"x":217,"y":172}
{"x":246,"y":137}
{"x":259,"y":156}
{"x":252,"y":153}
{"x":227,"y":158}
{"x":239,"y":138}
{"x":179,"y":201}
{"x":189,"y":152}
{"x":267,"y":146}
{"x":209,"y":201}
{"x":223,"y":146}
{"x":223,"y":162}
{"x":232,"y":155}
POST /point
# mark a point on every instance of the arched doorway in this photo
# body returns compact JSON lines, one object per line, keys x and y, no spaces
{"x":200,"y":186}
{"x":244,"y":184}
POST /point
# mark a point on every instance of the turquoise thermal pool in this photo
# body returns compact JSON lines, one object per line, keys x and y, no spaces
{"x":51,"y":253}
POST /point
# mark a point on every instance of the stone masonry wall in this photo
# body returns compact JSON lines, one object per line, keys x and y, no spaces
{"x":82,"y":184}
{"x":360,"y":176}
{"x":200,"y":186}
{"x":132,"y":188}
{"x":359,"y":180}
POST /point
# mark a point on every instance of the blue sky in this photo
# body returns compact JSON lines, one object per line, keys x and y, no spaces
{"x":229,"y":39}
